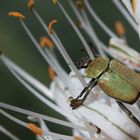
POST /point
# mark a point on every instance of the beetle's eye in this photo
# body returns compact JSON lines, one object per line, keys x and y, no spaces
{"x":83,"y":63}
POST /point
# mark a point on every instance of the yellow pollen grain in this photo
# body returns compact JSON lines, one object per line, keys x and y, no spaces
{"x":16,"y":14}
{"x":31,"y":4}
{"x":80,"y":4}
{"x":45,"y":41}
{"x":35,"y":129}
{"x":50,"y":26}
{"x":119,"y":27}
{"x":54,"y":1}
{"x":52,"y":73}
{"x":133,"y":2}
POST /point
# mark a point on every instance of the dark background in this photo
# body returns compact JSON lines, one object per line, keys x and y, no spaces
{"x":15,"y":44}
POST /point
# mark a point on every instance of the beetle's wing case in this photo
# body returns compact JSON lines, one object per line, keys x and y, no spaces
{"x":96,"y":67}
{"x":117,"y":87}
{"x":129,"y":75}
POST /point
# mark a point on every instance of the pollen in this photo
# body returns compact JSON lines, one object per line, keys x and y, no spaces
{"x":35,"y":129}
{"x":50,"y":26}
{"x":16,"y":14}
{"x":80,"y":4}
{"x":54,"y":1}
{"x":133,"y":3}
{"x":119,"y":27}
{"x":31,"y":4}
{"x":52,"y":73}
{"x":45,"y":41}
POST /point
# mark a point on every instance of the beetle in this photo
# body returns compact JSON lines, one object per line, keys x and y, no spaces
{"x":115,"y":79}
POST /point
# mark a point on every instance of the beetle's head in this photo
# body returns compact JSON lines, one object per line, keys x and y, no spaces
{"x":84,"y":62}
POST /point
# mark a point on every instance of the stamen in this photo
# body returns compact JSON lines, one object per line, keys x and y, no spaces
{"x":67,"y":57}
{"x":120,"y":29}
{"x":12,"y":118}
{"x":44,"y":117}
{"x":27,"y":77}
{"x":21,"y":77}
{"x":52,"y":73}
{"x":99,"y":21}
{"x":35,"y":129}
{"x":31,"y":4}
{"x":76,"y":30}
{"x":45,"y":41}
{"x":42,"y":98}
{"x":126,"y":15}
{"x":60,"y":46}
{"x":8,"y":133}
{"x":56,"y":67}
{"x":16,"y":14}
{"x":41,"y":122}
{"x":85,"y":24}
{"x":54,"y":40}
{"x":51,"y":25}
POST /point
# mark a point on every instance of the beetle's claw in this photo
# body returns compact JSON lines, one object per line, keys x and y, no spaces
{"x":75,"y":103}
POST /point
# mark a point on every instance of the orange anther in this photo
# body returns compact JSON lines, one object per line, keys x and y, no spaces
{"x":44,"y":41}
{"x":50,"y":26}
{"x":120,"y":29}
{"x":31,"y":4}
{"x":54,"y":1}
{"x":78,"y":138}
{"x":52,"y":73}
{"x":16,"y":14}
{"x":35,"y":129}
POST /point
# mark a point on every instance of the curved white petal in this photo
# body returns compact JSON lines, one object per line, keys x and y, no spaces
{"x":114,"y":123}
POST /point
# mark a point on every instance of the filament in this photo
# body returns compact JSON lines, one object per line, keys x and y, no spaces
{"x":77,"y":31}
{"x":99,"y":21}
{"x":8,"y":133}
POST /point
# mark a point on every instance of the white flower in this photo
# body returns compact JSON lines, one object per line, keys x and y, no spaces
{"x":99,"y":117}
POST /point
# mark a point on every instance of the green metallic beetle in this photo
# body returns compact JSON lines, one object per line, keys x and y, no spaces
{"x":114,"y":78}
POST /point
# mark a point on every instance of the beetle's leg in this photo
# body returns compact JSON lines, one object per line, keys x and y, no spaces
{"x":85,"y":92}
{"x":129,"y":113}
{"x":92,"y":81}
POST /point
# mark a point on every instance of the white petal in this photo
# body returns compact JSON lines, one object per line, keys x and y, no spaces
{"x":117,"y":125}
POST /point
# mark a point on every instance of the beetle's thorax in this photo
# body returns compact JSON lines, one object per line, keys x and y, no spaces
{"x":96,"y":67}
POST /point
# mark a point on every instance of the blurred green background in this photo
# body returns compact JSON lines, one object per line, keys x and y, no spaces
{"x":15,"y":44}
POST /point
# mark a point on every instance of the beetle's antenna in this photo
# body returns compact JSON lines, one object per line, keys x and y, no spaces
{"x":94,"y":51}
{"x":84,"y":61}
